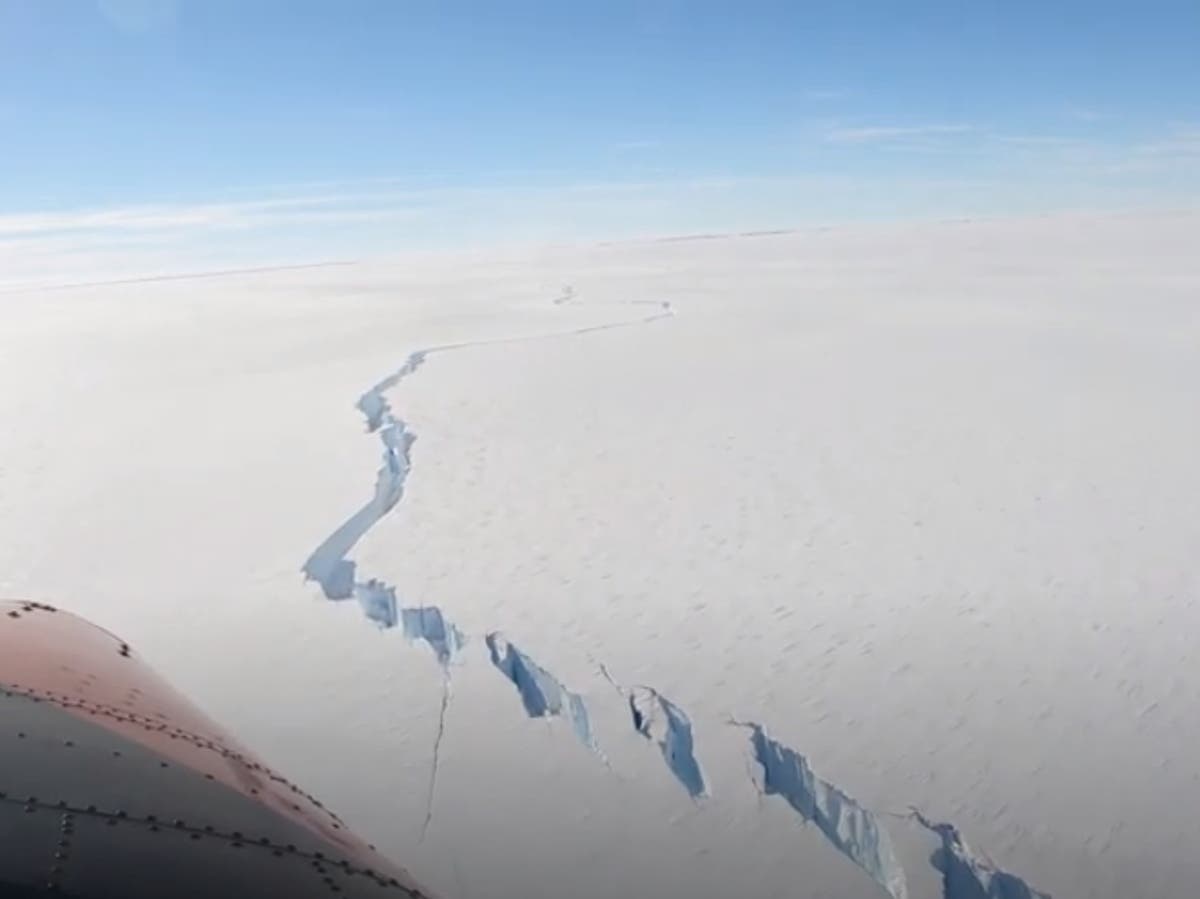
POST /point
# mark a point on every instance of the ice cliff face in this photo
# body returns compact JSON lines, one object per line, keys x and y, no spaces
{"x":542,"y":694}
{"x":663,"y":722}
{"x":853,"y":830}
{"x":657,"y":718}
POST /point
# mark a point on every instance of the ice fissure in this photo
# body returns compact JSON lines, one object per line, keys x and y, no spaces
{"x":661,"y":721}
{"x":967,"y":873}
{"x":853,"y":830}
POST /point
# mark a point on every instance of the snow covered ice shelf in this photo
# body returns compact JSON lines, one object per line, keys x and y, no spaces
{"x":921,"y":500}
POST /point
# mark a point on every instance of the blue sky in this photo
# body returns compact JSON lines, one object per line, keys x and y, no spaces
{"x":293,"y":127}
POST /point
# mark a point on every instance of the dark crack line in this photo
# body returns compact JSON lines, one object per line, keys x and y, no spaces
{"x":437,"y":748}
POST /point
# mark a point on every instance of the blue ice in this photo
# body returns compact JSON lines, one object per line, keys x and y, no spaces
{"x":968,"y":875}
{"x":853,"y":830}
{"x":541,"y":693}
{"x":672,"y":731}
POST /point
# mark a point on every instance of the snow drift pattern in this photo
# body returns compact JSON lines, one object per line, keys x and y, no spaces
{"x":853,"y":830}
{"x":968,"y":875}
{"x":541,"y":693}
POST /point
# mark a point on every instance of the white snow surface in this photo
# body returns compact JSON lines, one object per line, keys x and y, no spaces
{"x":924,"y":500}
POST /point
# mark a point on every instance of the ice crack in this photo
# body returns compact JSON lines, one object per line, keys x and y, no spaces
{"x":663,"y":722}
{"x":966,"y":873}
{"x":853,"y":830}
{"x":542,"y":694}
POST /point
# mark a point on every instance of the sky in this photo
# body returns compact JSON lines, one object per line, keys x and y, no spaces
{"x":160,"y":133}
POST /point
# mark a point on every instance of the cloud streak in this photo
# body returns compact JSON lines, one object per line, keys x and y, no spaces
{"x":877,"y":133}
{"x":979,"y":170}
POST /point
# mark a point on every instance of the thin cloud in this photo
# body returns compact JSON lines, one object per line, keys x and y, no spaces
{"x":1183,"y":141}
{"x":1087,"y":114}
{"x":636,"y":146}
{"x":139,"y":16}
{"x":1052,"y":141}
{"x":883,"y":133}
{"x":200,"y":216}
{"x":819,"y":95}
{"x":284,"y":210}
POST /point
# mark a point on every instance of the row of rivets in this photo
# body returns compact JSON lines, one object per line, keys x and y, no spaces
{"x":235,"y":838}
{"x":127,"y":717}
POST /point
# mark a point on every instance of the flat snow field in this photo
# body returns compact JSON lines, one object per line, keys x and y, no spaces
{"x":923,"y":501}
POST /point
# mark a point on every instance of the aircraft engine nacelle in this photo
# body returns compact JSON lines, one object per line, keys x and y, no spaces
{"x":113,"y":786}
